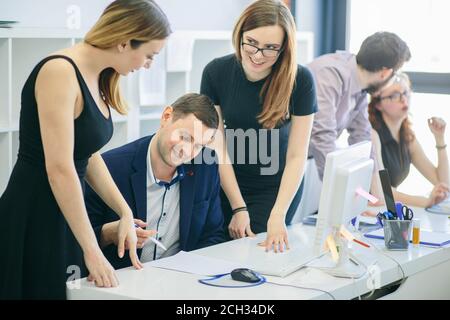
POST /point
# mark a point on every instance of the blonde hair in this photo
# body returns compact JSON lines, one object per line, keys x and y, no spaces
{"x":277,"y":89}
{"x":139,"y":21}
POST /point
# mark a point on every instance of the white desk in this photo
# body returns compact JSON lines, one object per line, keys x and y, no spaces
{"x":426,"y":271}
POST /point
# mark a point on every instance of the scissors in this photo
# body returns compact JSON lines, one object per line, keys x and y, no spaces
{"x":404,"y":212}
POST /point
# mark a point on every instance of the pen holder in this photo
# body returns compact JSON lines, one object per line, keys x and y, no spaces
{"x":397,"y":234}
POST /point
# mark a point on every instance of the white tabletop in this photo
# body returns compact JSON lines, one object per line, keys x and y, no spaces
{"x":154,"y":283}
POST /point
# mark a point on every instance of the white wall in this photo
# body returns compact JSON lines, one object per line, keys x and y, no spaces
{"x":203,"y":14}
{"x":183,"y":14}
{"x":50,"y":13}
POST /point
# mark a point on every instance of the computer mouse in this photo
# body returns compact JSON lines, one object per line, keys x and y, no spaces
{"x":245,"y":275}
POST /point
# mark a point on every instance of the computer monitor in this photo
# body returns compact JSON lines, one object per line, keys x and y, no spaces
{"x":346,"y":170}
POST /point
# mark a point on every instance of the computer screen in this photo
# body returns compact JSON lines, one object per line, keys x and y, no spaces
{"x":345,"y":170}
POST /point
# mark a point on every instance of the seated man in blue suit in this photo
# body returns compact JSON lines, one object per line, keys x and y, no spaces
{"x":172,"y":195}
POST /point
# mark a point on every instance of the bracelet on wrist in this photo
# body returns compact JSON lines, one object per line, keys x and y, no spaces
{"x":234,"y":211}
{"x":441,"y":147}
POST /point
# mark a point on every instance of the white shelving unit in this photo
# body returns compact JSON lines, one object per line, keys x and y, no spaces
{"x":20,"y":50}
{"x":186,"y":54}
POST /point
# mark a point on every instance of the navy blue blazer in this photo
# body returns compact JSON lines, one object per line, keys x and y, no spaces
{"x":201,"y":218}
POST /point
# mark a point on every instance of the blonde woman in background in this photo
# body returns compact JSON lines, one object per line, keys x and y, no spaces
{"x":65,"y":120}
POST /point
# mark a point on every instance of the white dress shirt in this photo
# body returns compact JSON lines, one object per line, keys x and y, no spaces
{"x":163,"y":215}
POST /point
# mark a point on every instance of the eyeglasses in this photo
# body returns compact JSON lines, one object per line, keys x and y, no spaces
{"x":268,"y":53}
{"x":397,"y":96}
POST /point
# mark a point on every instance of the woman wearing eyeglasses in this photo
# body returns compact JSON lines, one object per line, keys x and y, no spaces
{"x":397,"y":146}
{"x":266,"y":101}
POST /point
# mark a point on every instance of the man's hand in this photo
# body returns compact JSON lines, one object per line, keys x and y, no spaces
{"x":110,"y":236}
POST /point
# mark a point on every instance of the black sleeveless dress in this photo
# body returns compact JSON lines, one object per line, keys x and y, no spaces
{"x":396,"y":156}
{"x":39,"y":251}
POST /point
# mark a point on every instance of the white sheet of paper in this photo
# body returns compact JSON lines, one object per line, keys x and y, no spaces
{"x":196,"y":264}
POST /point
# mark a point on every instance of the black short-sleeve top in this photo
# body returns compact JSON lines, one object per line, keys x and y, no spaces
{"x":224,"y":81}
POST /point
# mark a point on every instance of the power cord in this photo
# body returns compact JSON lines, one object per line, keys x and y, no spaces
{"x":354,"y":286}
{"x":304,"y":288}
{"x":261,"y":281}
{"x":207,"y":282}
{"x":386,"y":255}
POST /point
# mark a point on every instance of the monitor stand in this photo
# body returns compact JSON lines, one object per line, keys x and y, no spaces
{"x":346,"y":267}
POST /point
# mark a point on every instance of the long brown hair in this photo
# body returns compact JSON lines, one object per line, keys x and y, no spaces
{"x":139,"y":21}
{"x":376,"y":119}
{"x":277,"y":89}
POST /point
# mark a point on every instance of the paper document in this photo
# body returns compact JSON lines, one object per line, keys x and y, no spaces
{"x":441,"y":208}
{"x":196,"y":264}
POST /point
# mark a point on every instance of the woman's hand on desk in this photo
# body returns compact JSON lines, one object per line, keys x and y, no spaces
{"x":100,"y":270}
{"x":239,"y":226}
{"x":277,"y":237}
{"x":437,"y":195}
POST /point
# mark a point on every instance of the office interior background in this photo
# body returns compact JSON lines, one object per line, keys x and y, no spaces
{"x":202,"y":32}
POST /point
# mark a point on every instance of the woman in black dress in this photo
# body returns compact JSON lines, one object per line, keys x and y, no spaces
{"x":266,"y":101}
{"x":397,"y":146}
{"x":65,"y":119}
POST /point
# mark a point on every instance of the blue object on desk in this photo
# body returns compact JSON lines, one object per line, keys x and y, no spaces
{"x":387,"y":215}
{"x":310,"y":220}
{"x":260,"y":280}
{"x":404,"y":212}
{"x":380,"y":218}
{"x":427,"y":238}
{"x":398,"y":209}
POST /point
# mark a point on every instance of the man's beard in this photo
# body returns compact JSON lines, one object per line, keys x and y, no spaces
{"x":374,"y":87}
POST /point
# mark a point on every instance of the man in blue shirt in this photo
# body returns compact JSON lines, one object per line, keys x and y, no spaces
{"x":169,"y":184}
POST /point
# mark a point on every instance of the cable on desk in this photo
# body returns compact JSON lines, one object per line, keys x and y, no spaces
{"x":261,"y":281}
{"x":354,"y":286}
{"x":207,"y":282}
{"x":304,"y":288}
{"x":353,"y":279}
{"x":386,"y":255}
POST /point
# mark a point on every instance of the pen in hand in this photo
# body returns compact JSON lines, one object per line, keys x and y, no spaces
{"x":154,"y":240}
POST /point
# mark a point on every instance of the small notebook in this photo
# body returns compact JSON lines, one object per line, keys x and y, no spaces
{"x":427,"y":238}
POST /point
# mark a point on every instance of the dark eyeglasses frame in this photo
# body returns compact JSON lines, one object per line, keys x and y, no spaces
{"x":278,"y":51}
{"x":392,"y":97}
